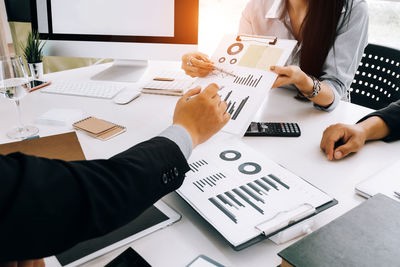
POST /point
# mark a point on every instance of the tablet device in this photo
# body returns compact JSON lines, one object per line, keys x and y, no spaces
{"x":158,"y":216}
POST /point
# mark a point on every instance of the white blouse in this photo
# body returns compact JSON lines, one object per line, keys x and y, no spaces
{"x":269,"y":17}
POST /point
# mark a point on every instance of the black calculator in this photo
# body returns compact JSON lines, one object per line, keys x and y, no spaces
{"x":282,"y":129}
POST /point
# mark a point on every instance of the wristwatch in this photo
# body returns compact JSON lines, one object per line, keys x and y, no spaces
{"x":316,"y":87}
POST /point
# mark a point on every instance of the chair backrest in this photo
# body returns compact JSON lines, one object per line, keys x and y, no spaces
{"x":18,"y":10}
{"x":377,"y":80}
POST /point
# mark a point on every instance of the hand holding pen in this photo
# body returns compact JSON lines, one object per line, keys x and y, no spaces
{"x":199,"y":65}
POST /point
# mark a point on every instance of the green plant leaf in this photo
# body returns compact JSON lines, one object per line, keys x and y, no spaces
{"x":33,"y":50}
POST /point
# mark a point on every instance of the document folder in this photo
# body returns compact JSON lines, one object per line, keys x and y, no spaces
{"x":61,"y":146}
{"x":367,"y":235}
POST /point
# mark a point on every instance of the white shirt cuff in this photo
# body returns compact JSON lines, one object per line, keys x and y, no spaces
{"x":180,"y":136}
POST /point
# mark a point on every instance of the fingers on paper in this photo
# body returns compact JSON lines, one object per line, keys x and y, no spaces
{"x":211,"y":91}
{"x":191,"y":92}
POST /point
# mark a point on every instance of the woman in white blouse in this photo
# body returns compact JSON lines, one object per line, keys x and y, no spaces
{"x":331,"y":35}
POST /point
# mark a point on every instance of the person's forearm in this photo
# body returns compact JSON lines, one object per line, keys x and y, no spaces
{"x":180,"y":136}
{"x":391,"y":117}
{"x":324,"y":98}
{"x":375,"y":128}
{"x":55,"y":204}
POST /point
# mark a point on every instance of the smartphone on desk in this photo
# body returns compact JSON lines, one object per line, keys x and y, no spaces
{"x":128,"y":258}
{"x":37,"y":84}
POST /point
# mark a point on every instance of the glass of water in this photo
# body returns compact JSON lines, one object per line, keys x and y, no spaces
{"x":14,"y":85}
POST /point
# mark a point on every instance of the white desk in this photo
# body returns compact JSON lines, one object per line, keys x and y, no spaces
{"x":148,"y":115}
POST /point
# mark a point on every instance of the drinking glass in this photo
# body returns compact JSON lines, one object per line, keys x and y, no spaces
{"x":14,"y":85}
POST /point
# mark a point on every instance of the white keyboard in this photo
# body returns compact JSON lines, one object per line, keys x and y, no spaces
{"x":83,"y":88}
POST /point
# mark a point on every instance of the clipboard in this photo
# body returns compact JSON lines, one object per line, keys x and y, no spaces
{"x":294,"y":219}
{"x":245,"y":196}
{"x":242,"y":72}
{"x":271,"y":40}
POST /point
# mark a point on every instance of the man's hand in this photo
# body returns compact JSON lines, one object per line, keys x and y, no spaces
{"x":201,"y":114}
{"x":28,"y":263}
{"x":350,"y":138}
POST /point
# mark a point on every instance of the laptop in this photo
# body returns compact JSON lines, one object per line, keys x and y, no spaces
{"x":385,"y":181}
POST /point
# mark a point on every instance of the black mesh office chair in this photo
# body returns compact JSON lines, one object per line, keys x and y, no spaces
{"x":377,"y":80}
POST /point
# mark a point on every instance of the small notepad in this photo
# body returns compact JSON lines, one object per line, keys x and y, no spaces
{"x":99,"y":128}
{"x":169,"y":83}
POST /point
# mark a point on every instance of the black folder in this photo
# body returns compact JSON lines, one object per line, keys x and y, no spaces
{"x":368,"y":236}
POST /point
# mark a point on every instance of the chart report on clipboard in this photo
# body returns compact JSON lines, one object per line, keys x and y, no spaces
{"x":248,"y":59}
{"x":245,"y":196}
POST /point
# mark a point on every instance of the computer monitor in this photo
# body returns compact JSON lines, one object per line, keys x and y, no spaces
{"x":130,"y":31}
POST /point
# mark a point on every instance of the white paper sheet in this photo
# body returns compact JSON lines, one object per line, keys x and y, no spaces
{"x":217,"y":177}
{"x":249,"y":61}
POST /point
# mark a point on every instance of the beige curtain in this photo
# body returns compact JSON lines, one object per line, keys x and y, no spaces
{"x":3,"y":43}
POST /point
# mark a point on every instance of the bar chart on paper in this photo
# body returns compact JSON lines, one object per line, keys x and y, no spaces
{"x":250,"y":80}
{"x":235,"y":189}
{"x":242,"y":70}
{"x":243,"y":92}
{"x":252,"y":195}
{"x":234,"y":108}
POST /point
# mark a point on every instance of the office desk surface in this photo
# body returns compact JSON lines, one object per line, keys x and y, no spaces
{"x":148,"y":115}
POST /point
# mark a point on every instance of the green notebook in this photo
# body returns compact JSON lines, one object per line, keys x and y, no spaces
{"x":368,"y":235}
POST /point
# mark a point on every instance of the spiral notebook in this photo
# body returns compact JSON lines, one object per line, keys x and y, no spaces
{"x":99,"y":128}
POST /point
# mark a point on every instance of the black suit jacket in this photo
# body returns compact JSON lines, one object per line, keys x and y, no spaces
{"x":48,"y":206}
{"x":391,"y":116}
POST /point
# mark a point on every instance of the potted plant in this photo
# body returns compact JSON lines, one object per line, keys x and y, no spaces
{"x":33,"y":53}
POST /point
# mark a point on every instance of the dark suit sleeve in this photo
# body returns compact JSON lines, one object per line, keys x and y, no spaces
{"x":47,"y":206}
{"x":391,"y":116}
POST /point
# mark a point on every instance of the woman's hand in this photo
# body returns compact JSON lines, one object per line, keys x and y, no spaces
{"x":304,"y":83}
{"x":293,"y":75}
{"x":197,"y":64}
